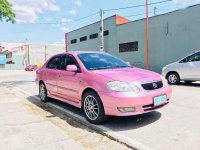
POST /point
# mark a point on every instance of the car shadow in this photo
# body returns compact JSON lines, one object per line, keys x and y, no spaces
{"x":113,"y":123}
{"x":132,"y":122}
{"x":193,"y":84}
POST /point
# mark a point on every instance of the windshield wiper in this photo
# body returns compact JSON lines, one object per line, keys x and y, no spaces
{"x":109,"y":67}
{"x":119,"y":67}
{"x":99,"y":68}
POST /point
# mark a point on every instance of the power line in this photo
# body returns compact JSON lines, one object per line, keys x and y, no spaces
{"x":135,"y":6}
{"x":159,"y":9}
{"x":169,"y":9}
{"x":87,"y":16}
{"x":61,"y":22}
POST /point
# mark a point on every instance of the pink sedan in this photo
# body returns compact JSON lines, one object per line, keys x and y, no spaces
{"x":102,"y":85}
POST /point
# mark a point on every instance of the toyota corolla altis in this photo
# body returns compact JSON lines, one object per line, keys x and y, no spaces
{"x":101,"y":85}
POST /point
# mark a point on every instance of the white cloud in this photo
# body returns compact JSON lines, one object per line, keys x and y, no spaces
{"x":65,"y":21}
{"x":27,"y":11}
{"x":72,"y":11}
{"x":62,"y":42}
{"x":48,"y":19}
{"x":65,"y":29}
{"x":78,"y":2}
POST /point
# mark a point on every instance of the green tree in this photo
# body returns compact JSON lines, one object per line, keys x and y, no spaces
{"x":6,"y":11}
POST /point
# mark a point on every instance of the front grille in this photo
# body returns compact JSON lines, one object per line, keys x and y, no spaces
{"x":151,"y":107}
{"x":153,"y":85}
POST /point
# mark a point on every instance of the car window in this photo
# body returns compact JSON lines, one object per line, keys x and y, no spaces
{"x":194,"y":57}
{"x":96,"y":61}
{"x":54,"y":63}
{"x":197,"y":57}
{"x":68,"y":60}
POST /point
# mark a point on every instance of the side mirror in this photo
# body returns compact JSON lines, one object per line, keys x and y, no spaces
{"x":71,"y":68}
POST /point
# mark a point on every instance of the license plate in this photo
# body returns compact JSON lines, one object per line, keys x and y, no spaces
{"x":159,"y":100}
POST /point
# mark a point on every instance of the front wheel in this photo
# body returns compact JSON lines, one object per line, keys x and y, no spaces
{"x":93,"y":108}
{"x":43,"y":92}
{"x":173,"y":78}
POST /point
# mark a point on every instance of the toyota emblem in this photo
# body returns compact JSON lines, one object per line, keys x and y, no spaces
{"x":155,"y":85}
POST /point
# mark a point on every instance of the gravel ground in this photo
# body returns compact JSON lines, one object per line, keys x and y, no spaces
{"x":28,"y":112}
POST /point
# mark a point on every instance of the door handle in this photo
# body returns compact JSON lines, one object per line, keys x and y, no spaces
{"x":59,"y":75}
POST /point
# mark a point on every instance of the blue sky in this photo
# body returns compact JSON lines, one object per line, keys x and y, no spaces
{"x":46,"y":21}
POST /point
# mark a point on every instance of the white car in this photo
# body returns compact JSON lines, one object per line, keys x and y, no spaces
{"x":186,"y":69}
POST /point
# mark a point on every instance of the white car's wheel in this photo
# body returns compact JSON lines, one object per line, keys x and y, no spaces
{"x":173,"y":78}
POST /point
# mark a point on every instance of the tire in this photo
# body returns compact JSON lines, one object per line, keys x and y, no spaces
{"x":93,"y":108}
{"x":173,"y":78}
{"x":43,"y":92}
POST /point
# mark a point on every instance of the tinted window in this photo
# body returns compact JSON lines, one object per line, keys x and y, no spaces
{"x":95,"y":61}
{"x":194,"y":57}
{"x":73,"y":41}
{"x":128,"y":47}
{"x":197,"y":56}
{"x":54,"y":63}
{"x":68,"y":60}
{"x":105,"y":33}
{"x":93,"y":36}
{"x":191,"y":58}
{"x":83,"y":38}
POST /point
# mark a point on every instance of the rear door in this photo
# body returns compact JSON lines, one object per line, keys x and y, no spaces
{"x":51,"y":74}
{"x":69,"y":82}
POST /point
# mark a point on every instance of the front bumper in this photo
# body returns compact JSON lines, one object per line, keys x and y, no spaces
{"x":143,"y":101}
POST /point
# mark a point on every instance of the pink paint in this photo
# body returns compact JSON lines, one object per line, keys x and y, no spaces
{"x":68,"y":86}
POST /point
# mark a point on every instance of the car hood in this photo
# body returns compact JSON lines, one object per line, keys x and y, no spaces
{"x":129,"y":75}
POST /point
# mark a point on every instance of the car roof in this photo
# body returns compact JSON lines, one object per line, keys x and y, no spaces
{"x":80,"y":52}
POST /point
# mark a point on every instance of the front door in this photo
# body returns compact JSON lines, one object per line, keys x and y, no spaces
{"x":69,"y":82}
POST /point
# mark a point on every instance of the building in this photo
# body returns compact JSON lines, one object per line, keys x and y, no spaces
{"x":21,"y":55}
{"x":171,"y":36}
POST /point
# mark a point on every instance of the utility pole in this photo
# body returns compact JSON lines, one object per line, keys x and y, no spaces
{"x":27,"y":53}
{"x":45,"y":53}
{"x":147,"y":35}
{"x":102,"y":30}
{"x":155,"y":8}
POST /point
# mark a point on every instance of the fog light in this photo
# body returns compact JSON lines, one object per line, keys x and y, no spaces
{"x":126,"y":109}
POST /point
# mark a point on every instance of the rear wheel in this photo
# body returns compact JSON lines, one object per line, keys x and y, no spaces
{"x":43,"y":92}
{"x":173,"y":78}
{"x":93,"y":108}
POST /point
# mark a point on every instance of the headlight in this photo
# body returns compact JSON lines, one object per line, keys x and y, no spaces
{"x":122,"y":87}
{"x":164,"y":68}
{"x":164,"y":81}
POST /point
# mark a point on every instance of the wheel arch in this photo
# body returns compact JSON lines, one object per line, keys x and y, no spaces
{"x":41,"y":81}
{"x":172,"y":72}
{"x":89,"y":89}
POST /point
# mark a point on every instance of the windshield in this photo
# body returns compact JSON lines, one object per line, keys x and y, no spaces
{"x":97,"y":61}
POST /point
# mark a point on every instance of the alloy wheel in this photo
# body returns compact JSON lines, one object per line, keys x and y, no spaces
{"x":172,"y":78}
{"x":91,"y":107}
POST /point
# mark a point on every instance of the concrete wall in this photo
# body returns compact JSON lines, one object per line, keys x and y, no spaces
{"x":94,"y":44}
{"x":172,"y":36}
{"x":38,"y":53}
{"x":18,"y":63}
